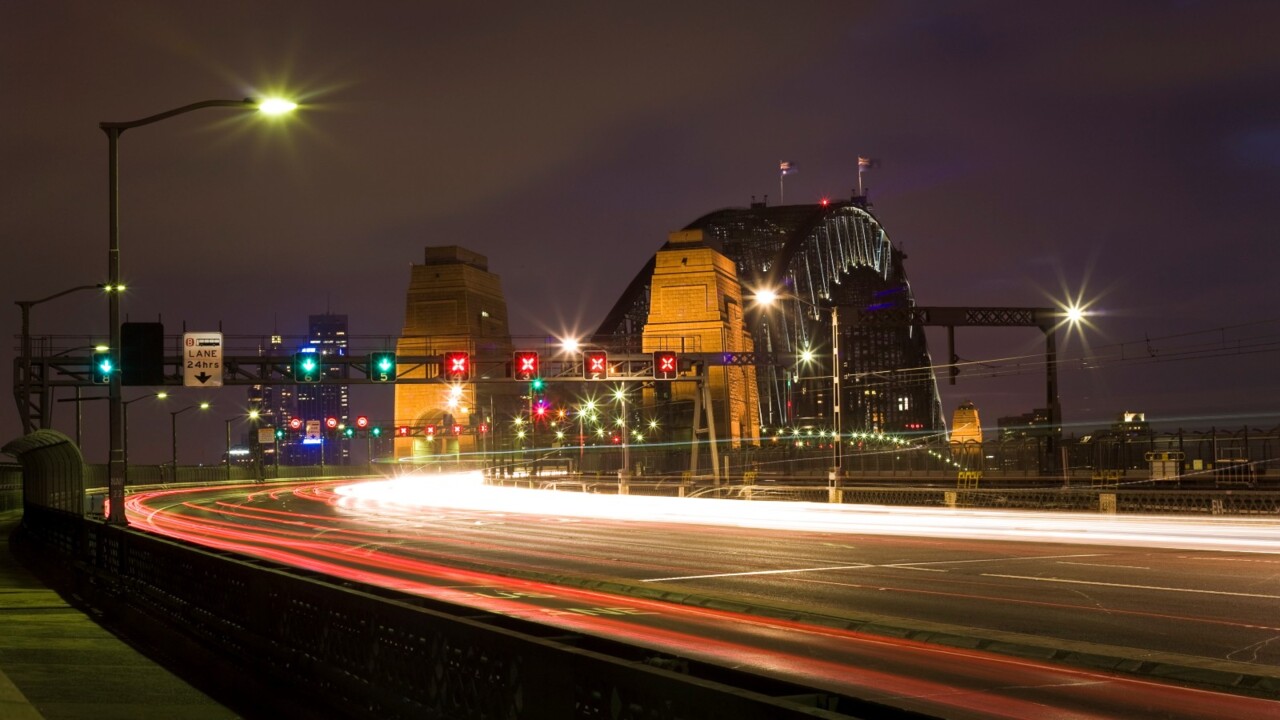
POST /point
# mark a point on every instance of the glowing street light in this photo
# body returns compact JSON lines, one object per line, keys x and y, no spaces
{"x":174,"y":421}
{"x":766,"y":297}
{"x":115,"y":411}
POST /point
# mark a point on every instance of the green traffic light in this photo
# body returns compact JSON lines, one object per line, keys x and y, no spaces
{"x":383,"y":366}
{"x":306,"y":368}
{"x":537,"y":384}
{"x":102,"y":368}
{"x":376,"y":432}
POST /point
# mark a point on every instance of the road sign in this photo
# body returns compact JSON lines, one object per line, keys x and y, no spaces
{"x":266,"y":435}
{"x":202,"y":359}
{"x":595,"y":365}
{"x":666,"y":365}
{"x":313,"y":430}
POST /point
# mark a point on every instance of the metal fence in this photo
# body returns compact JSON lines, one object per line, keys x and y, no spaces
{"x":95,"y":476}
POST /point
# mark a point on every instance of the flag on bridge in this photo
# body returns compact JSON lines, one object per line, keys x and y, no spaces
{"x":865,"y":164}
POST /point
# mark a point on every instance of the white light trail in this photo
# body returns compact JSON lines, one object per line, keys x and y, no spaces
{"x":411,"y":494}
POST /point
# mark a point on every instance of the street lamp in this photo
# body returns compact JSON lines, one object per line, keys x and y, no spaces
{"x":174,"y":421}
{"x":620,"y":394}
{"x":252,"y":415}
{"x":115,"y":411}
{"x":767,"y":297}
{"x":24,"y":411}
{"x":125,"y":408}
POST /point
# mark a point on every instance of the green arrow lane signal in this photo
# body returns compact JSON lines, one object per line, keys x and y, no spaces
{"x":102,"y":367}
{"x":382,"y":367}
{"x":306,"y":368}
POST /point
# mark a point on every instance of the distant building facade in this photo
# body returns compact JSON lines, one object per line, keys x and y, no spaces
{"x":326,"y":336}
{"x":277,"y":405}
{"x":453,"y":304}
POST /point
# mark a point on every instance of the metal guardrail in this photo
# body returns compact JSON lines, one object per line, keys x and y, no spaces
{"x":360,"y":651}
{"x":1059,"y":499}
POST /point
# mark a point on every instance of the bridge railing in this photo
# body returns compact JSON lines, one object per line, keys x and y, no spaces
{"x":361,"y":651}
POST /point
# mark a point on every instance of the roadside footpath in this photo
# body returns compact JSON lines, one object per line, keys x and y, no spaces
{"x":57,"y":663}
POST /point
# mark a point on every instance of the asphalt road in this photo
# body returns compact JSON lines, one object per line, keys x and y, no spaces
{"x":431,"y":537}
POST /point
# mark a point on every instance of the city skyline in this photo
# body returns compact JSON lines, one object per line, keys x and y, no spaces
{"x":1026,"y":156}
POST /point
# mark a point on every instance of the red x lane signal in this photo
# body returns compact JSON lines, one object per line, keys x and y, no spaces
{"x":666,"y":365}
{"x":457,"y":366}
{"x":525,"y":364}
{"x":595,"y":365}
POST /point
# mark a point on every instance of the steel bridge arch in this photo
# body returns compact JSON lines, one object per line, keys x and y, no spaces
{"x":817,"y":255}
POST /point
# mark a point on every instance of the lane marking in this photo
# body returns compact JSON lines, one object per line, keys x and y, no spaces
{"x":1127,"y":567}
{"x":897,"y":566}
{"x":760,"y":572}
{"x":1135,"y":587}
{"x":978,"y":560}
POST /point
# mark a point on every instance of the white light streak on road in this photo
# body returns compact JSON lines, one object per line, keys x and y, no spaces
{"x":410,"y":495}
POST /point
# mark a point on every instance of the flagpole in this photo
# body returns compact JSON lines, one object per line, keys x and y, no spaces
{"x":782,"y":193}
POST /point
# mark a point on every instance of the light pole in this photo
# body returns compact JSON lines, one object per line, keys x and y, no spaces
{"x":24,"y":409}
{"x":253,"y":416}
{"x":767,"y":298}
{"x":125,"y":408}
{"x":115,"y":411}
{"x":621,"y":396}
{"x":173,"y":417}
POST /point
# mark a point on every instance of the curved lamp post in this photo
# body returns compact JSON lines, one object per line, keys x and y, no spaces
{"x":115,"y":411}
{"x":173,"y":417}
{"x":24,"y":409}
{"x":125,"y":408}
{"x":767,"y":298}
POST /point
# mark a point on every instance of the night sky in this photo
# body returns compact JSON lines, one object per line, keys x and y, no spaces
{"x":1125,"y":153}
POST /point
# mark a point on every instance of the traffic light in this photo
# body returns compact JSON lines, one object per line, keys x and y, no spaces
{"x":666,"y":365}
{"x":279,"y":433}
{"x":537,"y":384}
{"x":102,"y":368}
{"x":403,"y":431}
{"x":382,"y":367}
{"x":375,"y":431}
{"x":306,"y":367}
{"x":142,"y":353}
{"x":525,"y":365}
{"x":457,"y":366}
{"x":457,"y":429}
{"x":430,"y":431}
{"x":595,"y":365}
{"x":349,"y":431}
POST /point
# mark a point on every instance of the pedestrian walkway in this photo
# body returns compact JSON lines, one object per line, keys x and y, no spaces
{"x":56,"y":662}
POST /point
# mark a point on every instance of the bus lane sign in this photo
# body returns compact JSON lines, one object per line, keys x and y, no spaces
{"x":202,"y":359}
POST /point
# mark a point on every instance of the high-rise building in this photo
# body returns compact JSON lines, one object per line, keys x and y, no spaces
{"x":275,"y":406}
{"x":327,"y":336}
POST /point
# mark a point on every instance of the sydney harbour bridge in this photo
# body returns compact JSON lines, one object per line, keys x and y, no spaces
{"x":817,"y":256}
